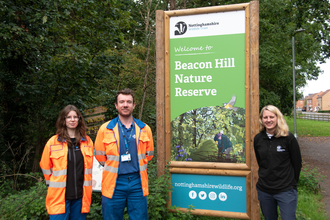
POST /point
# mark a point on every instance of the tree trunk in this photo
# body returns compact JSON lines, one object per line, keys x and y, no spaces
{"x":38,"y":152}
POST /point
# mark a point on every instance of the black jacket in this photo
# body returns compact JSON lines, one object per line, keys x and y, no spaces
{"x":75,"y":172}
{"x":279,"y":161}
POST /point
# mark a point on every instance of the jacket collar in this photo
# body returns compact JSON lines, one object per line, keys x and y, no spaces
{"x":265,"y":135}
{"x":82,"y":139}
{"x":114,"y":121}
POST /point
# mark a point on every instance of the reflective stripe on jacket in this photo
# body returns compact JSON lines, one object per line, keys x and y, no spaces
{"x":107,"y":152}
{"x":54,"y":167}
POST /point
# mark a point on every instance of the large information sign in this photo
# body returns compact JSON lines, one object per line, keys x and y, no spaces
{"x":207,"y":72}
{"x":207,"y":107}
{"x":207,"y":55}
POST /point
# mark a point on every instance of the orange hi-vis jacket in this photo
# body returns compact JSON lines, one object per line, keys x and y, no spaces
{"x":54,"y":167}
{"x":107,"y":152}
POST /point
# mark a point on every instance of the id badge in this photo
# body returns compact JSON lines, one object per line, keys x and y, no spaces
{"x":125,"y":157}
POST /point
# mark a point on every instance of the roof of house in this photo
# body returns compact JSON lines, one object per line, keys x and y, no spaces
{"x":310,"y":96}
{"x":325,"y":92}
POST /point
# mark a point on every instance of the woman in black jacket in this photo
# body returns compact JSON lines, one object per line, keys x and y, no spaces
{"x":279,"y":159}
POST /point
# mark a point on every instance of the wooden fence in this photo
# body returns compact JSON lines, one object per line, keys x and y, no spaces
{"x":316,"y":117}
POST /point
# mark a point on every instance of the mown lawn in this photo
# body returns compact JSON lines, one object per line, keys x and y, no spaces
{"x":309,"y":128}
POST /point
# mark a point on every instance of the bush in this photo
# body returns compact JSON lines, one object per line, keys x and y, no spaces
{"x":30,"y":204}
{"x":324,"y":111}
{"x":159,"y":189}
{"x":309,"y":179}
{"x":26,"y":204}
{"x":18,"y":181}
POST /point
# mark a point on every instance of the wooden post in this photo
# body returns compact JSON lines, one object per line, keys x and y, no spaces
{"x":254,"y":99}
{"x":160,"y":91}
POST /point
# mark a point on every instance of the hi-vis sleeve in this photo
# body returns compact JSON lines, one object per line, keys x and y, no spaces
{"x":150,"y":145}
{"x":46,"y":164}
{"x":99,"y":145}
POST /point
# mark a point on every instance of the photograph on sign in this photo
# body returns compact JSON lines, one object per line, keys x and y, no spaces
{"x":207,"y":87}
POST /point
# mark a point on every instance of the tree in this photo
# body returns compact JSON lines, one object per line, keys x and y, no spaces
{"x":52,"y":53}
{"x":138,"y":69}
{"x":278,"y":20}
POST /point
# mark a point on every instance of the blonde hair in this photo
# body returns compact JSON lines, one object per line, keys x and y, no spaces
{"x":282,"y":128}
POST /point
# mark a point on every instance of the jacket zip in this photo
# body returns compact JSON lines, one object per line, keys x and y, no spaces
{"x":75,"y":173}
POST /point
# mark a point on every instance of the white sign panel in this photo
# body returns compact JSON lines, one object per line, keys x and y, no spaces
{"x":208,"y":24}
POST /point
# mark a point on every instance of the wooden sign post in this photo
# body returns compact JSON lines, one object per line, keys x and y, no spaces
{"x":207,"y":107}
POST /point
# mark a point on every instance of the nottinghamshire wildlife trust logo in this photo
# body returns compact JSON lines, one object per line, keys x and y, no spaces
{"x":181,"y":28}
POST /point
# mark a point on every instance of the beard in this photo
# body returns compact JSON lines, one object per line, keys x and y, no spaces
{"x":125,"y":112}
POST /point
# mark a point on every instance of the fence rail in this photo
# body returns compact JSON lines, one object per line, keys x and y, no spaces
{"x":315,"y":117}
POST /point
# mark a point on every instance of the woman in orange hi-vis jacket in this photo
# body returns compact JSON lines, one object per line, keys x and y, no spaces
{"x":67,"y":162}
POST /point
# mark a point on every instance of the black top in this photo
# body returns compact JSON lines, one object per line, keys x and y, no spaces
{"x":279,"y":161}
{"x":75,"y":172}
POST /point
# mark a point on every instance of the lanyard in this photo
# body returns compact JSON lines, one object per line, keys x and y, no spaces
{"x":124,"y":136}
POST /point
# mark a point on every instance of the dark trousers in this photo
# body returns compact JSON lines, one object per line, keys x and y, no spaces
{"x":128,"y":192}
{"x":72,"y":211}
{"x":286,"y":201}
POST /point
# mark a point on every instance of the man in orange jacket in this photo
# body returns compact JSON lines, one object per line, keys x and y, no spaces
{"x":124,"y":146}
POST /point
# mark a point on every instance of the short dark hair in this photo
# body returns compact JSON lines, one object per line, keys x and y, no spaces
{"x":125,"y":91}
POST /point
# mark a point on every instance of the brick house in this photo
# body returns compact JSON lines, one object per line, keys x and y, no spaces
{"x":311,"y":104}
{"x":300,"y":103}
{"x":323,"y":100}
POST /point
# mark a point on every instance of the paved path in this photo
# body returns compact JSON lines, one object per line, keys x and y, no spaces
{"x":316,"y":152}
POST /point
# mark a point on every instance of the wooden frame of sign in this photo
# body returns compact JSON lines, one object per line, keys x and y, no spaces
{"x":249,"y":168}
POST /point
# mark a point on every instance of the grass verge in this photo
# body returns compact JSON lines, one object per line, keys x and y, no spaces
{"x":310,"y":206}
{"x":309,"y":128}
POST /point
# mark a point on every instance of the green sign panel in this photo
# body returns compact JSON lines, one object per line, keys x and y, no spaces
{"x":207,"y":87}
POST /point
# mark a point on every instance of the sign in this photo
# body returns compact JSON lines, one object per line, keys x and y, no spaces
{"x":94,"y":119}
{"x":207,"y":107}
{"x":219,"y":193}
{"x":207,"y":77}
{"x":97,"y":175}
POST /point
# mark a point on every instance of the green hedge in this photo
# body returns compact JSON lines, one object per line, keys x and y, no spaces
{"x":324,"y":111}
{"x":30,"y":203}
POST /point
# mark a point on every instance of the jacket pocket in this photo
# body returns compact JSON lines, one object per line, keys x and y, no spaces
{"x":144,"y":136}
{"x":110,"y":144}
{"x":56,"y":151}
{"x":58,"y":158}
{"x":88,"y":150}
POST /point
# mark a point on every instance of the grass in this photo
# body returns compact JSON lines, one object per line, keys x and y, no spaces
{"x":309,"y":128}
{"x":310,"y":204}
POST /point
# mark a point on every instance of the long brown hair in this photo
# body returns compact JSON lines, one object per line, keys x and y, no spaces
{"x":62,"y":129}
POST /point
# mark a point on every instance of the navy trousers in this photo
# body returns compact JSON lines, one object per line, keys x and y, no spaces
{"x":128,"y":192}
{"x":286,"y":201}
{"x":72,"y":211}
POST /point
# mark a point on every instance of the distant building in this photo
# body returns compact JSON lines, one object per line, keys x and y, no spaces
{"x":300,"y":104}
{"x":323,"y":100}
{"x":311,"y":102}
{"x":317,"y":101}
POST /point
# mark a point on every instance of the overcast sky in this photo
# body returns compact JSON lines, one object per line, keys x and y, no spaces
{"x":321,"y":84}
